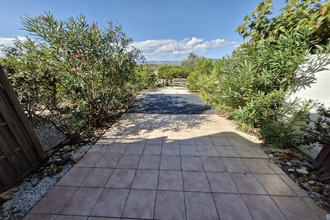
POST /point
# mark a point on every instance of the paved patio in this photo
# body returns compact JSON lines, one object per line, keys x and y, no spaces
{"x":175,"y":166}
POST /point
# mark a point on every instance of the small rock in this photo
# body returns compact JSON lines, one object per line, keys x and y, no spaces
{"x":5,"y":196}
{"x":286,"y":157}
{"x":289,"y":164}
{"x":317,"y":189}
{"x":76,"y":156}
{"x":325,"y":180}
{"x":57,"y":154}
{"x":315,"y":165}
{"x":302,"y":170}
{"x":324,"y":203}
{"x":291,"y":170}
{"x":304,"y":186}
{"x":35,"y":180}
{"x":311,"y":182}
{"x":50,"y":153}
{"x":268,"y":151}
{"x":276,"y":154}
{"x":59,"y":169}
{"x":67,"y":148}
{"x":326,"y":187}
{"x":59,"y":161}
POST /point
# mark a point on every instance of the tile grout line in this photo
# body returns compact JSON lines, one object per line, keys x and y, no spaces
{"x":154,"y":209}
{"x":208,"y":182}
{"x":183,"y":191}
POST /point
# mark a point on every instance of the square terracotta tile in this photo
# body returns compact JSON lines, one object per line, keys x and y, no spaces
{"x":99,"y":148}
{"x":129,"y":161}
{"x":189,"y":141}
{"x":134,"y":149}
{"x":238,"y":141}
{"x":247,"y":183}
{"x":117,"y":148}
{"x":213,"y":164}
{"x":171,"y":141}
{"x":258,"y":166}
{"x":55,"y":200}
{"x":195,"y":181}
{"x":31,"y":216}
{"x":102,"y":218}
{"x":169,"y":205}
{"x":294,"y":208}
{"x":274,"y":185}
{"x":200,"y":206}
{"x":169,"y":149}
{"x":149,"y":162}
{"x":155,"y":140}
{"x":138,"y":141}
{"x":82,"y":202}
{"x":109,"y":160}
{"x":262,"y":207}
{"x":246,"y":151}
{"x":221,"y":182}
{"x":145,"y":179}
{"x":314,"y":207}
{"x":170,"y":180}
{"x":200,"y":132}
{"x":140,"y":204}
{"x":192,"y":163}
{"x":75,"y":176}
{"x":220,"y":140}
{"x":185,"y":134}
{"x":152,"y":149}
{"x":98,"y":177}
{"x":231,"y":206}
{"x":121,"y":178}
{"x":111,"y":203}
{"x":215,"y":133}
{"x":170,"y":163}
{"x":236,"y":165}
{"x":260,"y":152}
{"x":70,"y":217}
{"x":276,"y":168}
{"x":89,"y":160}
{"x":293,"y":185}
{"x":227,"y":151}
{"x":204,"y":141}
{"x":189,"y":150}
{"x":210,"y":151}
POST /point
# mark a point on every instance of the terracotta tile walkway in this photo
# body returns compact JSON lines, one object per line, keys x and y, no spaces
{"x":157,"y":166}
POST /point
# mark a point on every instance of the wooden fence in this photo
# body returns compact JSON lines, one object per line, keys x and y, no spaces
{"x":20,"y":149}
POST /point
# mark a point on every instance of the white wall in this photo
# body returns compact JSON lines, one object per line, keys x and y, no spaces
{"x":319,"y":91}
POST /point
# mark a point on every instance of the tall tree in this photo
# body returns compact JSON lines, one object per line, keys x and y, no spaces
{"x":191,"y":60}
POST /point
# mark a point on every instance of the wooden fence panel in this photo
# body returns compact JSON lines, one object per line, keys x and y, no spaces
{"x":20,"y":150}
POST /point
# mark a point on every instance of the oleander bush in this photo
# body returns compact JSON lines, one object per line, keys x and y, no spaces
{"x":74,"y":71}
{"x":252,"y":85}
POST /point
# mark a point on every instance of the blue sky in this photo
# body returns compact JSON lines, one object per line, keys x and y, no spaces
{"x":162,"y":29}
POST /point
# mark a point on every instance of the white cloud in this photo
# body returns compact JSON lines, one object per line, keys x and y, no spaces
{"x":9,"y":41}
{"x":157,"y":49}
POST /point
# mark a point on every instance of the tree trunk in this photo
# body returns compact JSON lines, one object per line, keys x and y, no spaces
{"x":324,"y":157}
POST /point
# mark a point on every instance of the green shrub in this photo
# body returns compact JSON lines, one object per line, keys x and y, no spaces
{"x":319,"y":131}
{"x":73,"y":69}
{"x":199,"y":74}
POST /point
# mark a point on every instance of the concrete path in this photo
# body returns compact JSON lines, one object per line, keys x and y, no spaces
{"x":175,"y":166}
